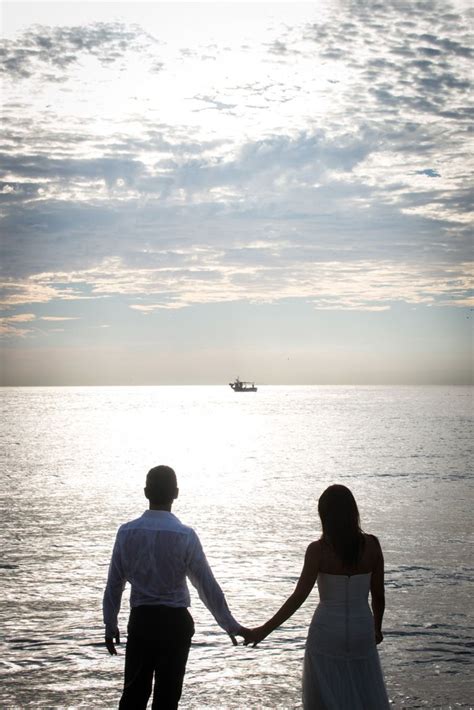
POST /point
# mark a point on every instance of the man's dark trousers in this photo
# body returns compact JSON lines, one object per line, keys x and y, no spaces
{"x":159,"y":638}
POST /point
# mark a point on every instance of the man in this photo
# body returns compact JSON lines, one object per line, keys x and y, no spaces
{"x":155,"y":553}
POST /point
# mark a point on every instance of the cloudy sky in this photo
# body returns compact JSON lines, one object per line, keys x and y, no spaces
{"x":195,"y":191}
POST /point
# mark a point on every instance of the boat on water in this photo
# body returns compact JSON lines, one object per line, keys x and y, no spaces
{"x":240,"y":386}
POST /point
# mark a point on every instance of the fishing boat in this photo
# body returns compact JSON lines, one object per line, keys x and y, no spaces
{"x":239,"y":386}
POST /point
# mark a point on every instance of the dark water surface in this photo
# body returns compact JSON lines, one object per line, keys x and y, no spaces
{"x":250,"y":468}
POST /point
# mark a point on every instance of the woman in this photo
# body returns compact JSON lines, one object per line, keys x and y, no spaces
{"x":341,"y":664}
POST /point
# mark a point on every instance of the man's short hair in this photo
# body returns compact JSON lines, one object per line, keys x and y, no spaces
{"x":161,"y":485}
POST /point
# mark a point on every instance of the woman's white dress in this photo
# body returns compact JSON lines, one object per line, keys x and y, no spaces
{"x":341,"y":665}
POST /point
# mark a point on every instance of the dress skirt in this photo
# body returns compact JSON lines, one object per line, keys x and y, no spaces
{"x":342,"y":683}
{"x":342,"y":669}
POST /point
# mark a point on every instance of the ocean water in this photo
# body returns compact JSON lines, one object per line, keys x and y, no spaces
{"x":250,"y":470}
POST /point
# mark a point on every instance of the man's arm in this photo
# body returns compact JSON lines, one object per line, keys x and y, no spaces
{"x":112,"y":599}
{"x":210,"y":593}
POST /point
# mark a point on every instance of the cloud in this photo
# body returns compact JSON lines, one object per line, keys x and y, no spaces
{"x":38,"y":166}
{"x":52,"y":51}
{"x":21,"y":318}
{"x":9,"y":324}
{"x":151,"y":307}
{"x":304,"y":168}
{"x":354,"y":284}
{"x":34,"y":290}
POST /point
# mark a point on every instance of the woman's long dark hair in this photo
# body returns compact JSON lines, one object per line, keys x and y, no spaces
{"x":341,"y":523}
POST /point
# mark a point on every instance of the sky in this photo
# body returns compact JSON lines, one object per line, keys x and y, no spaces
{"x":191,"y":192}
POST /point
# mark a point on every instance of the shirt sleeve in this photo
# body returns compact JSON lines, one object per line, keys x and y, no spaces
{"x":210,"y":593}
{"x":113,"y":591}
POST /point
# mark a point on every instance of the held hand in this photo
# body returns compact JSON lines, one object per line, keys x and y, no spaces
{"x":110,"y":645}
{"x":378,"y":637}
{"x":241,"y":632}
{"x":254,"y":636}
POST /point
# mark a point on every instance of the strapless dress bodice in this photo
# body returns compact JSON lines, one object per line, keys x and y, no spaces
{"x":336,"y":589}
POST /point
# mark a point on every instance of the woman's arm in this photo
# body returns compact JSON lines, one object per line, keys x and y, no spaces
{"x":295,"y":600}
{"x":377,"y":591}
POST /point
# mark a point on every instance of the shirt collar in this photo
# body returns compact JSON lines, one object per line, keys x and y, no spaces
{"x":153,"y":513}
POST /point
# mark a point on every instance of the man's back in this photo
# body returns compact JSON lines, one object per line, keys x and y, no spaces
{"x":155,"y":551}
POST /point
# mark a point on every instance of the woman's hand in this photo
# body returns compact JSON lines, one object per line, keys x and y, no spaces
{"x":254,"y":636}
{"x":378,"y":637}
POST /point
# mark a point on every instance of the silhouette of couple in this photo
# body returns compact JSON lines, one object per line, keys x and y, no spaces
{"x":156,"y":552}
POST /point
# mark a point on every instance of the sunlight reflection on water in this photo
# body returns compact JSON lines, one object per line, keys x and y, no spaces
{"x":250,"y":469}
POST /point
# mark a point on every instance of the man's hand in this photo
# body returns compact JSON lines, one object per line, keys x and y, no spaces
{"x":109,"y":642}
{"x":378,"y":637}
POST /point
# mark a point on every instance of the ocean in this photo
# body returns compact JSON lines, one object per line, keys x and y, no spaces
{"x":250,"y":468}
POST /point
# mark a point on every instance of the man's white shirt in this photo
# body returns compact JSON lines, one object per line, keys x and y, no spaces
{"x":155,"y":554}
